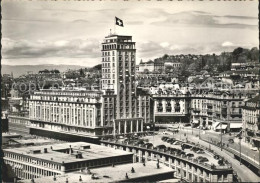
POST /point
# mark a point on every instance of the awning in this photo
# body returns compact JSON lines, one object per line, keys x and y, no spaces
{"x":235,"y":125}
{"x":223,"y":127}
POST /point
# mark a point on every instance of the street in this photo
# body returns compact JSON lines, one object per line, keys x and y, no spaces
{"x":243,"y":172}
{"x":215,"y":136}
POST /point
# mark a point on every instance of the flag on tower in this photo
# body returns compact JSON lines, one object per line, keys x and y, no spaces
{"x":119,"y":22}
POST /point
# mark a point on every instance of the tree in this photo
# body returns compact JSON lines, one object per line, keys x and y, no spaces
{"x":165,"y":57}
{"x":81,"y":73}
{"x":254,"y":54}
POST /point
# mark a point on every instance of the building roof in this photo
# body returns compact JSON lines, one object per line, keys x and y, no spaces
{"x":110,"y":174}
{"x":256,"y":99}
{"x":54,"y":153}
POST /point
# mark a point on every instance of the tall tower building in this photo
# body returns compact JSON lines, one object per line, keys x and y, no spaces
{"x":118,"y":75}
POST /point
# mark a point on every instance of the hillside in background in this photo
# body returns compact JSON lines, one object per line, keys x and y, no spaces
{"x":19,"y":70}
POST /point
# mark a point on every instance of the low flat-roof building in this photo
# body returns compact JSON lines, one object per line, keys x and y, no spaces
{"x":57,"y":159}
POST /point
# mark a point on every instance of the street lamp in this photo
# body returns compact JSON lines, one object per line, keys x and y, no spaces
{"x":240,"y":146}
{"x":192,"y":127}
{"x":208,"y":141}
{"x":199,"y":128}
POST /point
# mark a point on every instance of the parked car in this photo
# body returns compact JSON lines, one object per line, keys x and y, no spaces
{"x":186,"y":146}
{"x":164,"y":138}
{"x":253,"y":148}
{"x":149,"y":145}
{"x":161,"y":147}
{"x":170,"y":140}
{"x":195,"y":149}
{"x":202,"y":159}
{"x":200,"y":152}
{"x":173,"y":141}
{"x":190,"y":155}
{"x":177,"y":143}
{"x":216,"y":156}
{"x":167,"y":133}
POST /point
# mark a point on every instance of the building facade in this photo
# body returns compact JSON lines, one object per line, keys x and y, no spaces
{"x":68,"y":111}
{"x":118,"y":75}
{"x":251,"y":121}
{"x":58,"y":159}
{"x":146,"y":66}
{"x":217,"y":110}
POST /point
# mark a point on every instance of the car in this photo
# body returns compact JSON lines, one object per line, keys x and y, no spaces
{"x":180,"y":152}
{"x":166,"y":133}
{"x":176,"y":143}
{"x":216,"y":156}
{"x":200,"y":152}
{"x":195,"y":149}
{"x":173,"y":141}
{"x":161,"y":147}
{"x":148,"y":145}
{"x":185,"y":146}
{"x":169,"y":140}
{"x":164,"y":138}
{"x":253,"y":148}
{"x":202,"y":159}
{"x":190,"y":155}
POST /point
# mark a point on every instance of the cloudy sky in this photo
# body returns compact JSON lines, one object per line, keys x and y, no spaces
{"x":49,"y":32}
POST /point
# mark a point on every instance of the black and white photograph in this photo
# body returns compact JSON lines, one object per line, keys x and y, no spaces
{"x":99,"y":91}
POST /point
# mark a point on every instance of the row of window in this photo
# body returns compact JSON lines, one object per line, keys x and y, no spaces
{"x":32,"y":161}
{"x":68,"y":115}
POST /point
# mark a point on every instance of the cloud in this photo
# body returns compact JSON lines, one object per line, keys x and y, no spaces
{"x":164,"y":44}
{"x":203,"y":19}
{"x":239,"y":17}
{"x":227,"y":43}
{"x":152,"y":49}
{"x":74,"y":48}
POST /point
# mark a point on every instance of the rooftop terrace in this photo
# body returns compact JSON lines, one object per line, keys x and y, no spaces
{"x":111,"y":174}
{"x":67,"y":152}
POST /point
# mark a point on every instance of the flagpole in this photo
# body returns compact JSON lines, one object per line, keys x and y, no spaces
{"x":115,"y":26}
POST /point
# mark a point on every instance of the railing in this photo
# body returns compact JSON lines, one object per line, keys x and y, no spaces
{"x":235,"y":152}
{"x":173,"y":155}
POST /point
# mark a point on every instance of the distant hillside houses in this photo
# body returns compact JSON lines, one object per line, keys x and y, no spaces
{"x":158,"y":65}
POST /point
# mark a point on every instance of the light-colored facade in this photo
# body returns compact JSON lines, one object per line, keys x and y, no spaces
{"x":146,"y":66}
{"x":218,"y":110}
{"x":58,"y":159}
{"x":251,"y":120}
{"x":185,"y":168}
{"x":118,"y":78}
{"x":70,"y":111}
